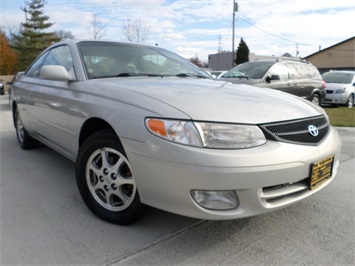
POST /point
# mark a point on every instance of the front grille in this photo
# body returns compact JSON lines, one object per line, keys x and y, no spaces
{"x":297,"y":131}
{"x":329,"y":92}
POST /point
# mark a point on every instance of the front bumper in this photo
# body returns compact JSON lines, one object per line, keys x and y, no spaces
{"x":165,"y":174}
{"x":336,"y":98}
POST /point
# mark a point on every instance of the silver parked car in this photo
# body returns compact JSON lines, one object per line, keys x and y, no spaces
{"x":218,"y":73}
{"x":340,"y":87}
{"x":147,"y":127}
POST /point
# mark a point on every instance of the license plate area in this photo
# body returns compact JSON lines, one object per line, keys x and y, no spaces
{"x":321,"y":171}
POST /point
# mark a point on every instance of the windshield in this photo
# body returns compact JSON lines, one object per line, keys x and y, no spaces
{"x":250,"y":70}
{"x":109,"y":59}
{"x":337,"y":77}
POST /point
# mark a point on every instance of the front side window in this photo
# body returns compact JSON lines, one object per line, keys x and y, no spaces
{"x":35,"y":68}
{"x":60,"y":56}
{"x":57,"y":56}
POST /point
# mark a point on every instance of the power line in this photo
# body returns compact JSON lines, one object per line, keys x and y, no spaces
{"x":282,"y":38}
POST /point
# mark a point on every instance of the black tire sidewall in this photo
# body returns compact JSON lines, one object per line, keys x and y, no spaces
{"x":348,"y":102}
{"x":28,"y":142}
{"x":316,"y":96}
{"x":101,"y":139}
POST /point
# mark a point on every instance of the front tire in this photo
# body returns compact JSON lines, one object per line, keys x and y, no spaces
{"x":350,"y":102}
{"x":106,"y":181}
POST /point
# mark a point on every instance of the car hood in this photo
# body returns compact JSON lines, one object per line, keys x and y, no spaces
{"x":241,"y":80}
{"x":336,"y":86}
{"x":213,"y":100}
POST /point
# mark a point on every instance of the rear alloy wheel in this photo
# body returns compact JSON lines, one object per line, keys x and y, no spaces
{"x":105,"y":179}
{"x":26,"y":141}
{"x":316,"y":99}
{"x":350,"y":102}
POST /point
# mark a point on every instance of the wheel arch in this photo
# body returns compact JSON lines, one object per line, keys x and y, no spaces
{"x":318,"y":94}
{"x":91,"y":126}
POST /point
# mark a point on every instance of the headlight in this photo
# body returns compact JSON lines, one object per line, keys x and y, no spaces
{"x":341,"y":90}
{"x":228,"y":136}
{"x":183,"y":132}
{"x":209,"y":135}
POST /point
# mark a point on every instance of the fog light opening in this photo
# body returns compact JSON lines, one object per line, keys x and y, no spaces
{"x":216,"y":200}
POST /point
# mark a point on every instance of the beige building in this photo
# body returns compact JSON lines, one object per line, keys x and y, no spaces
{"x":340,"y":56}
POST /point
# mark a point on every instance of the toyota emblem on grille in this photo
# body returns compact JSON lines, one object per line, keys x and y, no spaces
{"x":313,"y":130}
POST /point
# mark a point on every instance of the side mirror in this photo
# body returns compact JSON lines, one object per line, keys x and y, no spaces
{"x":54,"y":72}
{"x":272,"y":77}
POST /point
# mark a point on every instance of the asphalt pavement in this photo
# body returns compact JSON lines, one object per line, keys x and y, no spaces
{"x":43,"y":221}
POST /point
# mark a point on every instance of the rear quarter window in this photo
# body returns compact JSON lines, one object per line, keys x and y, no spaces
{"x":303,"y":71}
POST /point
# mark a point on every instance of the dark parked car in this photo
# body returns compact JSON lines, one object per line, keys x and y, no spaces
{"x":294,"y":76}
{"x":2,"y":88}
{"x":9,"y":84}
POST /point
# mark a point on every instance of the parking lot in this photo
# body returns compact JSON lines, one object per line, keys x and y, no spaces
{"x":44,"y":221}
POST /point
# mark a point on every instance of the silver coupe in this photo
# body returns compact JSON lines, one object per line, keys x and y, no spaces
{"x":147,"y":127}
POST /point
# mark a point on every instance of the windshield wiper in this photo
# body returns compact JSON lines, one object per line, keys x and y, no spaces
{"x":190,"y":75}
{"x":127,"y":74}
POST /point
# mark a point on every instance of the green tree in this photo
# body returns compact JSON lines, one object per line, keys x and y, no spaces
{"x":242,"y":54}
{"x":33,"y":38}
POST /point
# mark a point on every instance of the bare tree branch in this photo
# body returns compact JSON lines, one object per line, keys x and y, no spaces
{"x":97,"y":29}
{"x":136,"y":31}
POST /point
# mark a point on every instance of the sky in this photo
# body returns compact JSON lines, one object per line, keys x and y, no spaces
{"x":193,"y":28}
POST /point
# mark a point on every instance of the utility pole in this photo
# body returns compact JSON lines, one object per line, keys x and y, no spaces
{"x":219,"y":43}
{"x":235,"y":9}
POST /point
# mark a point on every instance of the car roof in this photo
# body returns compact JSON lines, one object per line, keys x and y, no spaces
{"x":76,"y":41}
{"x":341,"y":71}
{"x":281,"y":59}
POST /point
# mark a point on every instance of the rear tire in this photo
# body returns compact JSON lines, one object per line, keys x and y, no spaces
{"x":316,"y":99}
{"x":26,"y":141}
{"x":106,"y":181}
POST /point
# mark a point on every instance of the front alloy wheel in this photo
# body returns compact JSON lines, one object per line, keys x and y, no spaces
{"x":105,"y":179}
{"x":109,"y":179}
